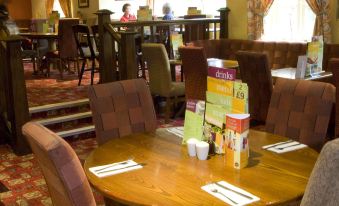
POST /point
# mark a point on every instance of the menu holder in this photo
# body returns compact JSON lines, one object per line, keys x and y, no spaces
{"x":315,"y":52}
{"x":194,"y":120}
{"x":237,"y":150}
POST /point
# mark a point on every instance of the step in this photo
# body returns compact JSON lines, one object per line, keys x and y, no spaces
{"x":65,"y":118}
{"x":57,"y":106}
{"x":77,"y":131}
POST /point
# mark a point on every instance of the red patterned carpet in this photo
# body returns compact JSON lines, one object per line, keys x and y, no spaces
{"x":42,"y":90}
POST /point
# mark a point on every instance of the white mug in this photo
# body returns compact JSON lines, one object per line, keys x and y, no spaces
{"x":202,"y":150}
{"x":191,"y":147}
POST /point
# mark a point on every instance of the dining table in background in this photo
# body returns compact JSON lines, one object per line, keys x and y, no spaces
{"x":212,"y":62}
{"x":171,"y":177}
{"x":289,"y":73}
{"x":51,"y":37}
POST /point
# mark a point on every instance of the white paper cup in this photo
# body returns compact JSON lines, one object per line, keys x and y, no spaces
{"x":202,"y":150}
{"x":191,"y":147}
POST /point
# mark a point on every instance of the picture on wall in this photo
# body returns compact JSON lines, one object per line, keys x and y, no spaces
{"x":83,"y":3}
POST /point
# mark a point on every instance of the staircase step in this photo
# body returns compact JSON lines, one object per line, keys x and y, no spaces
{"x":77,"y":131}
{"x":57,"y":106}
{"x":65,"y":118}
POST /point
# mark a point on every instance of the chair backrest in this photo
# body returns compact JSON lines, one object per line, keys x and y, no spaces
{"x":159,"y":68}
{"x":121,"y":108}
{"x":195,"y":66}
{"x":323,"y":185}
{"x":66,"y":40}
{"x":301,"y":110}
{"x":95,"y":32}
{"x":65,"y":178}
{"x":83,"y":40}
{"x":255,"y":72}
{"x":334,"y":67}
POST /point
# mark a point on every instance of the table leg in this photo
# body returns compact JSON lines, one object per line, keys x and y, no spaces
{"x":173,"y":72}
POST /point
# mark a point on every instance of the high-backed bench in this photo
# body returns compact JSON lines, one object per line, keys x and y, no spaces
{"x":280,"y":54}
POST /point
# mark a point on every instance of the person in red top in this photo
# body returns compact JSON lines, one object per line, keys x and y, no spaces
{"x":127,"y":14}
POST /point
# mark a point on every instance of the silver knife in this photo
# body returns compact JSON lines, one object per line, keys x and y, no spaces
{"x":227,"y":188}
{"x":141,"y":164}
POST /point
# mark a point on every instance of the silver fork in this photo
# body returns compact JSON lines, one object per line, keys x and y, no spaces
{"x":218,"y":192}
{"x":281,"y":148}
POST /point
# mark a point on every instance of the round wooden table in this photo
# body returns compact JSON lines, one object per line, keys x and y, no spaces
{"x":171,"y":177}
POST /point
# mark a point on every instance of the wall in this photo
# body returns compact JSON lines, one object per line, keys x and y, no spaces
{"x":334,"y":22}
{"x":38,"y":9}
{"x":20,"y":9}
{"x":86,"y":12}
{"x":237,"y":19}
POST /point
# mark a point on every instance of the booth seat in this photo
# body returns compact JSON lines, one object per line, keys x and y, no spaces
{"x":280,"y":54}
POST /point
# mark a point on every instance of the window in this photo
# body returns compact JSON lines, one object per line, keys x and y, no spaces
{"x":57,"y":7}
{"x":289,"y":20}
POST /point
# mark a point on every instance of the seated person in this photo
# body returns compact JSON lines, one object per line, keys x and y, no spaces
{"x":127,"y":14}
{"x":167,"y":11}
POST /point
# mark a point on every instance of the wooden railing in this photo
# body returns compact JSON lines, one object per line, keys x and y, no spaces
{"x":110,"y":32}
{"x":13,"y":98}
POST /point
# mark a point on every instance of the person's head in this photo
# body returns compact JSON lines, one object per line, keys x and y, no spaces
{"x":166,"y":8}
{"x":126,"y":8}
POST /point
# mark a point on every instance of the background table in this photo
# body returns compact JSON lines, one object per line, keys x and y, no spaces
{"x":172,"y":178}
{"x":289,"y":73}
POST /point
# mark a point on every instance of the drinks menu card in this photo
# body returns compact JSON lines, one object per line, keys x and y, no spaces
{"x":194,"y":120}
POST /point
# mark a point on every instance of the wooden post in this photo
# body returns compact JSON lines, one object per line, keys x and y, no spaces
{"x":107,"y":59}
{"x":15,"y":111}
{"x":224,"y":22}
{"x":128,"y":66}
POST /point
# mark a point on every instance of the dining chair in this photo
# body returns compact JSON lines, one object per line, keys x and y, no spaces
{"x":121,"y":108}
{"x":323,"y":185}
{"x":195,"y":66}
{"x":254,"y":71}
{"x":334,"y":67}
{"x":160,"y":79}
{"x":85,"y":46}
{"x":301,"y":110}
{"x":67,"y":49}
{"x":64,"y":175}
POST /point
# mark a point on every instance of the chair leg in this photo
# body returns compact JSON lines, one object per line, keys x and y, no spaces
{"x":92,"y":71}
{"x":60,"y":68}
{"x":34,"y":65}
{"x":82,"y":71}
{"x":168,"y":109}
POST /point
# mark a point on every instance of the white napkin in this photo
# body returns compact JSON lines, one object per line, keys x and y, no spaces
{"x":222,"y":192}
{"x":115,"y":168}
{"x":178,"y":131}
{"x":285,"y":146}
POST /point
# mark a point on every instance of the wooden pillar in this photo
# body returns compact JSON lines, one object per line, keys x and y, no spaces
{"x":107,"y":59}
{"x":128,"y":65}
{"x":15,"y":111}
{"x":224,"y":22}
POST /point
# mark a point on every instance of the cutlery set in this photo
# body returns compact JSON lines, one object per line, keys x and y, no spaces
{"x":286,"y":146}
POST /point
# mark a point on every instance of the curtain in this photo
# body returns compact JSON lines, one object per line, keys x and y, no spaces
{"x":49,"y":7}
{"x":322,"y":22}
{"x":66,"y":7}
{"x":257,"y":10}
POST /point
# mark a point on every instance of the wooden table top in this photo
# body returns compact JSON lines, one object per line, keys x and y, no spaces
{"x":289,"y":73}
{"x":214,"y":62}
{"x":171,"y":177}
{"x":39,"y":35}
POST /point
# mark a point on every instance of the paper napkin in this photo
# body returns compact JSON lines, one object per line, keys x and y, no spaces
{"x":178,"y":131}
{"x":115,"y":168}
{"x":224,"y":191}
{"x":282,"y":147}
